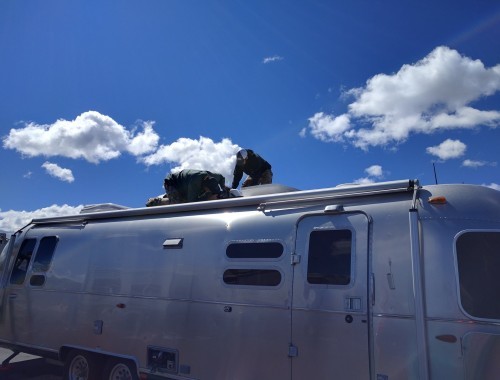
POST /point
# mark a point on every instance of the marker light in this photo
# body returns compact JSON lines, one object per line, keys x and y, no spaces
{"x":437,"y":200}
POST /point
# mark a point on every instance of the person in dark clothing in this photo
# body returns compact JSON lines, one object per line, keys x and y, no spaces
{"x":191,"y":186}
{"x":258,"y":170}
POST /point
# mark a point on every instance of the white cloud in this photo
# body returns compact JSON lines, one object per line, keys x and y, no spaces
{"x":144,"y":142}
{"x":274,"y":58}
{"x":56,"y":171}
{"x":374,"y":172}
{"x":448,"y":149}
{"x":96,"y":137}
{"x":91,"y":136}
{"x":477,"y":164}
{"x":11,"y":221}
{"x":203,"y":153}
{"x":364,"y":181}
{"x":433,"y":94}
{"x":328,"y":127}
{"x":492,"y":185}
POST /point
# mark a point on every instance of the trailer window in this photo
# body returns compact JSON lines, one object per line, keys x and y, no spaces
{"x":254,"y":250}
{"x":329,"y":259}
{"x":478,"y":260}
{"x":3,"y":254}
{"x":254,"y":277}
{"x":22,"y":261}
{"x":44,"y":253}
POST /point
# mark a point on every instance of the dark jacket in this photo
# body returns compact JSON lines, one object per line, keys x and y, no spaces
{"x":189,"y":183}
{"x":254,"y":166}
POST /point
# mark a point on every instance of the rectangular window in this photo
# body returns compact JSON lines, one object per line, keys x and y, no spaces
{"x":478,"y":261}
{"x":44,"y":253}
{"x":22,"y":261}
{"x":254,"y":277}
{"x":254,"y":250}
{"x":3,"y":254}
{"x":330,"y":257}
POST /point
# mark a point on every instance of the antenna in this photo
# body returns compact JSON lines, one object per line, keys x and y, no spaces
{"x":435,"y":175}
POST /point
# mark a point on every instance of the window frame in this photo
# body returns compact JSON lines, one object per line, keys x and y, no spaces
{"x":34,"y":273}
{"x":457,"y":273}
{"x":14,"y":271}
{"x":253,"y":263}
{"x":352,"y":257}
{"x":253,"y":286}
{"x":255,"y":259}
{"x":45,"y":269}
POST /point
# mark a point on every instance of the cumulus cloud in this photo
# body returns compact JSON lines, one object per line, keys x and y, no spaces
{"x":96,"y":137}
{"x":274,"y":58}
{"x":56,"y":171}
{"x":204,"y":153}
{"x":431,"y":95}
{"x":91,"y":136}
{"x":374,"y":172}
{"x":327,"y":127}
{"x":448,"y":149}
{"x":11,"y":221}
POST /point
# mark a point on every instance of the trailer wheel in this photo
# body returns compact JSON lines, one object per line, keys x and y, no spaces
{"x":120,"y":370}
{"x":81,"y":365}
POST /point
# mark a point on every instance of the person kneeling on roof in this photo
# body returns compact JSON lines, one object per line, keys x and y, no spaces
{"x":258,"y":170}
{"x":191,"y":186}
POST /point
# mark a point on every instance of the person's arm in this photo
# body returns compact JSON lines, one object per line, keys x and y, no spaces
{"x":237,"y":174}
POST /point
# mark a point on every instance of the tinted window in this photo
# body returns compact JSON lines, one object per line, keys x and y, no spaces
{"x":264,"y":250}
{"x":3,"y":255}
{"x":44,"y":253}
{"x":478,"y":260}
{"x":256,"y":277}
{"x":329,"y":257}
{"x":22,"y":261}
{"x":37,"y":280}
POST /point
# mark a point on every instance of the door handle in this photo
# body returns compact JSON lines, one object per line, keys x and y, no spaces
{"x":12,"y":296}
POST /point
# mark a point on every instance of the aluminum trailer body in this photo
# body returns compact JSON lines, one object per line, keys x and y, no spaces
{"x":384,"y":281}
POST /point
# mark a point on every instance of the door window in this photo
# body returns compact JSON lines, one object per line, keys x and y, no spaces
{"x":329,"y":257}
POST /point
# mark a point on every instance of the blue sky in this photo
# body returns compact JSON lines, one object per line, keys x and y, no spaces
{"x":99,"y":100}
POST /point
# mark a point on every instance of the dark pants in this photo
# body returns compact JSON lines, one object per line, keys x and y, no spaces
{"x":265,"y":179}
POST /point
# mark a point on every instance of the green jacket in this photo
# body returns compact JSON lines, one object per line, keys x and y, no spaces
{"x":188,"y":183}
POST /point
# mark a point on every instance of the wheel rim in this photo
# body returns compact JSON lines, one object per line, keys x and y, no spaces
{"x":120,"y":372}
{"x":79,"y":368}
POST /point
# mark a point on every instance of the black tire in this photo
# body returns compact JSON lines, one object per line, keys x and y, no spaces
{"x":82,"y":365}
{"x":117,"y":369}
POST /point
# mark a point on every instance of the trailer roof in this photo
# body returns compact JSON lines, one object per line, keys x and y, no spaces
{"x":261,"y":196}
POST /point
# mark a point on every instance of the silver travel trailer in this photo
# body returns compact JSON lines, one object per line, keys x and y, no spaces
{"x":383,"y":281}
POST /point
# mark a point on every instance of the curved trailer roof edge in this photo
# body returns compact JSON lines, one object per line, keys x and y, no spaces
{"x":299,"y":196}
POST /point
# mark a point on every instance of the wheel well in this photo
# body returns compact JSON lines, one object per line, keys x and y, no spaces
{"x":104,"y":356}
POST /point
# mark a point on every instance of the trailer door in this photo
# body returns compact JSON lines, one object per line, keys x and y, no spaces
{"x":330,"y":306}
